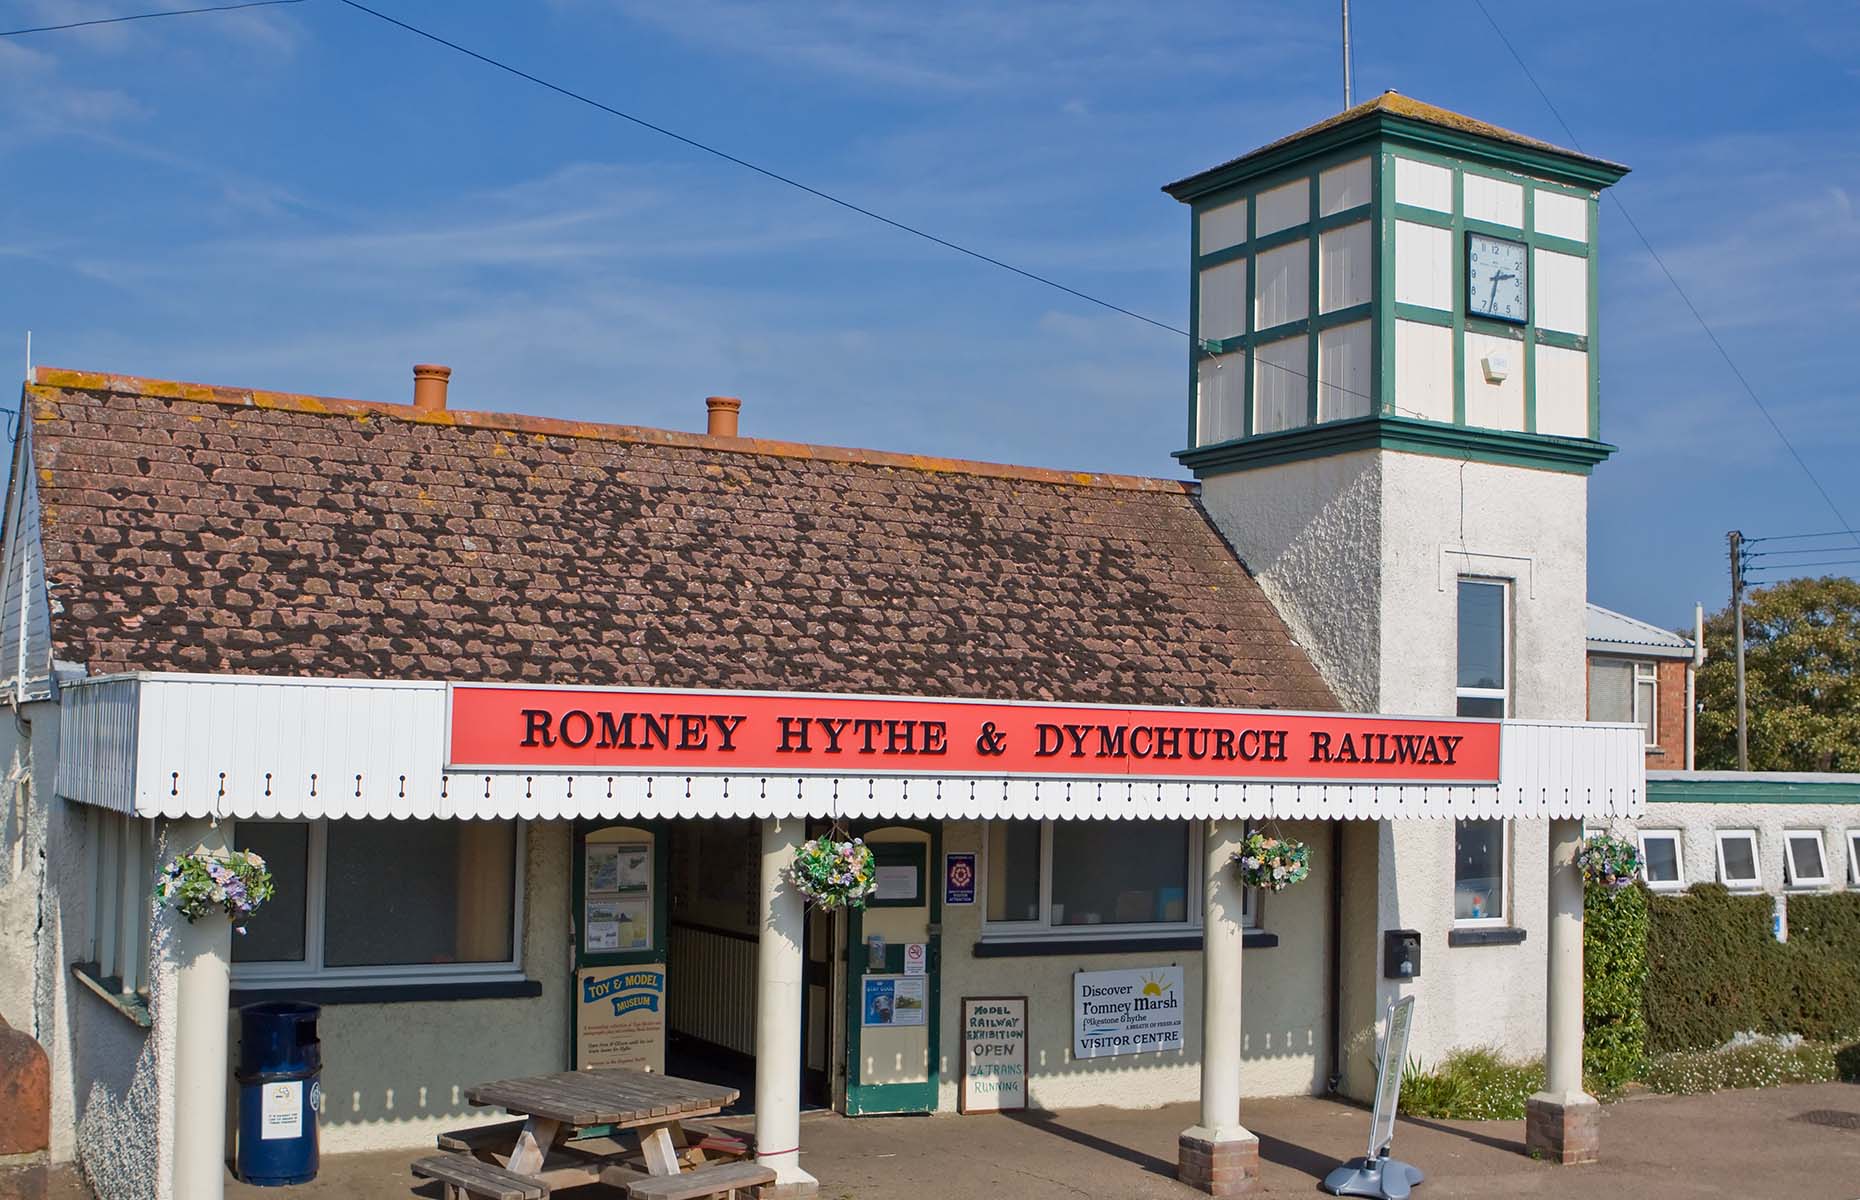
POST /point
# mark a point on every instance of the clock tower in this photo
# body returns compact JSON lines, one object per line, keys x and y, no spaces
{"x":1394,"y":383}
{"x":1393,"y":410}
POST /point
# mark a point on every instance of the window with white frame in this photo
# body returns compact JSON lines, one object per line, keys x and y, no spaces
{"x":1737,"y":859}
{"x":1095,"y":878}
{"x":1853,"y":856}
{"x":1627,"y":691}
{"x":1802,"y":854}
{"x":1663,"y":863}
{"x":362,"y":901}
{"x":122,"y":856}
{"x":1481,"y":871}
{"x":1483,"y":682}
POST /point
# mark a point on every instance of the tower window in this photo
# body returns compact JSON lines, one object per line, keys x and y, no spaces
{"x":1483,"y":687}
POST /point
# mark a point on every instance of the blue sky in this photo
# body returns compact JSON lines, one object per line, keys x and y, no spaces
{"x":305,"y":199}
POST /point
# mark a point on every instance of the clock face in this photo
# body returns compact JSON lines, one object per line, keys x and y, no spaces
{"x":1496,"y":278}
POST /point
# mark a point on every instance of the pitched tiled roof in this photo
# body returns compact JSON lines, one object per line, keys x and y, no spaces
{"x":203,"y":529}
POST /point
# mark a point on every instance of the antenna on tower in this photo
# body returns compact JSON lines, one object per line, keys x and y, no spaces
{"x":1348,"y":101}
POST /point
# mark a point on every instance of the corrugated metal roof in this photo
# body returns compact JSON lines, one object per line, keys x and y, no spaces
{"x":1611,"y":632}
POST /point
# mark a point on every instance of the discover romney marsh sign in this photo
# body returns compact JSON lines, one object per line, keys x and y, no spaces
{"x":546,"y":728}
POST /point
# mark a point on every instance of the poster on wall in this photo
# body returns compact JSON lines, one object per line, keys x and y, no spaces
{"x":893,"y":1000}
{"x":1127,"y":1012}
{"x":620,"y":1017}
{"x":618,"y":886}
{"x":994,"y":1054}
{"x":959,"y":878}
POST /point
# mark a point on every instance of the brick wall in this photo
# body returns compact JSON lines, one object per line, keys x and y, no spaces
{"x":1671,"y":728}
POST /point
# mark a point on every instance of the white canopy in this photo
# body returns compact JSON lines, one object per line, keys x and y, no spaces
{"x":241,"y":746}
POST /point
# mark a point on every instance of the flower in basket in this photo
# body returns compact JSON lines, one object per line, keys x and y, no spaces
{"x":1271,"y":862}
{"x":1608,"y":861}
{"x":201,"y":882}
{"x":835,"y":874}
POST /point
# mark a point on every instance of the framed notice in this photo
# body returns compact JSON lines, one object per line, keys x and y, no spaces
{"x":893,"y":1000}
{"x":1127,"y":1012}
{"x":617,"y":886}
{"x":620,"y":1017}
{"x":994,"y":1054}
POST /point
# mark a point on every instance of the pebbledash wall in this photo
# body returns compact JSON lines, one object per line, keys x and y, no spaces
{"x":1700,"y":804}
{"x":112,"y":1070}
{"x":1361,"y":553}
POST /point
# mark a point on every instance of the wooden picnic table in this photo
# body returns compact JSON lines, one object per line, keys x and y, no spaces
{"x":568,"y":1105}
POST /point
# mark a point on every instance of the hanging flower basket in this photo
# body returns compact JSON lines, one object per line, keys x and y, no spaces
{"x":1608,"y":861}
{"x":1271,"y":862}
{"x":835,"y":874}
{"x":200,"y":883}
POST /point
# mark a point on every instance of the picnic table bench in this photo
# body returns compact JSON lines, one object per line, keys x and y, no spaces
{"x":548,"y":1147}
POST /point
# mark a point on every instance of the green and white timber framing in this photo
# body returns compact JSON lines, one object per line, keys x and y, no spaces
{"x":1328,"y":296}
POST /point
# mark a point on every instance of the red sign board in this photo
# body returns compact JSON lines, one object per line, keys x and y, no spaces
{"x":567,"y":729}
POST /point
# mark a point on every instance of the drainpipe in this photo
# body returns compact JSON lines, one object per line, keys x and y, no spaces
{"x":1692,"y":672}
{"x":1334,"y":969}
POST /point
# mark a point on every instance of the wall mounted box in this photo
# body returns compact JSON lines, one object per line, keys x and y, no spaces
{"x":1401,"y":954}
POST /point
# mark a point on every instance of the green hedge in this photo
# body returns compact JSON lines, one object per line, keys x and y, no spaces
{"x":1614,"y":959}
{"x":1714,"y":970}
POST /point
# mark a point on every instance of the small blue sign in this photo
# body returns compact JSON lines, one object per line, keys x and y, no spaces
{"x":959,"y":879}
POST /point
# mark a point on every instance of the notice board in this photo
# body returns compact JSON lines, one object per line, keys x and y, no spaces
{"x":620,"y":1017}
{"x":994,"y":1054}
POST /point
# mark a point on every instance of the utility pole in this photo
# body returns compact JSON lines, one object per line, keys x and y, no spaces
{"x":1347,"y":100}
{"x":1736,"y":538}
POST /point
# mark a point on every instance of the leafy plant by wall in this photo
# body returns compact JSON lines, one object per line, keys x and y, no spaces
{"x":1614,"y":961}
{"x":1713,"y":970}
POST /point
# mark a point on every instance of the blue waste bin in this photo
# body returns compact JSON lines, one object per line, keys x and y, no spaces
{"x":280,"y":1091}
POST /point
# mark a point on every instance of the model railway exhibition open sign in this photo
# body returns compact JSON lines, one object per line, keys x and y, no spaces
{"x":568,"y":729}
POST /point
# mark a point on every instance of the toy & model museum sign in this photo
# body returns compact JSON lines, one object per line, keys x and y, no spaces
{"x":568,"y":729}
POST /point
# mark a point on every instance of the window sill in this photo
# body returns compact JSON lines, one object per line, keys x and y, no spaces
{"x":388,"y":993}
{"x":108,"y":988}
{"x":1252,"y":939}
{"x":1491,"y":936}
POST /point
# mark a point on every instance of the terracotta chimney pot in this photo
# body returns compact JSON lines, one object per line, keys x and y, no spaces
{"x":429,"y":387}
{"x":723,"y":411}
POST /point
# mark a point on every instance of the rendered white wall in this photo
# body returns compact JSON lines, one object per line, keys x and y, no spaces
{"x":1285,"y":1013}
{"x":393,"y":1074}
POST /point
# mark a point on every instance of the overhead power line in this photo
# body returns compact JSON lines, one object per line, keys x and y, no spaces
{"x":1846,"y":529}
{"x":147,"y":16}
{"x":819,"y":193}
{"x":1826,"y":562}
{"x":1796,"y":537}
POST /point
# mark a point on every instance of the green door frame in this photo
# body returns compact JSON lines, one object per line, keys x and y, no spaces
{"x":661,"y":931}
{"x":880,"y":1098}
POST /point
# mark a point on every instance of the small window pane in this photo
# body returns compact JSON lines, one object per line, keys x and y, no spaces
{"x":1119,"y":873}
{"x":1740,"y":859}
{"x":1281,"y":395}
{"x":403,"y":893}
{"x":275,"y":933}
{"x":1014,"y":871}
{"x":1645,"y":710}
{"x":1481,"y":706}
{"x":1223,"y":226}
{"x":1482,"y":635}
{"x":1853,"y":856}
{"x":1805,"y":865}
{"x":1611,"y":690}
{"x":1220,"y":398}
{"x":1223,"y":300}
{"x":1479,"y":871}
{"x":1662,"y":859}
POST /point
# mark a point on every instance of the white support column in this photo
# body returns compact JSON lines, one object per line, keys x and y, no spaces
{"x":1219,"y":1156}
{"x":203,"y":958}
{"x":779,"y":983}
{"x":1562,"y":1121}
